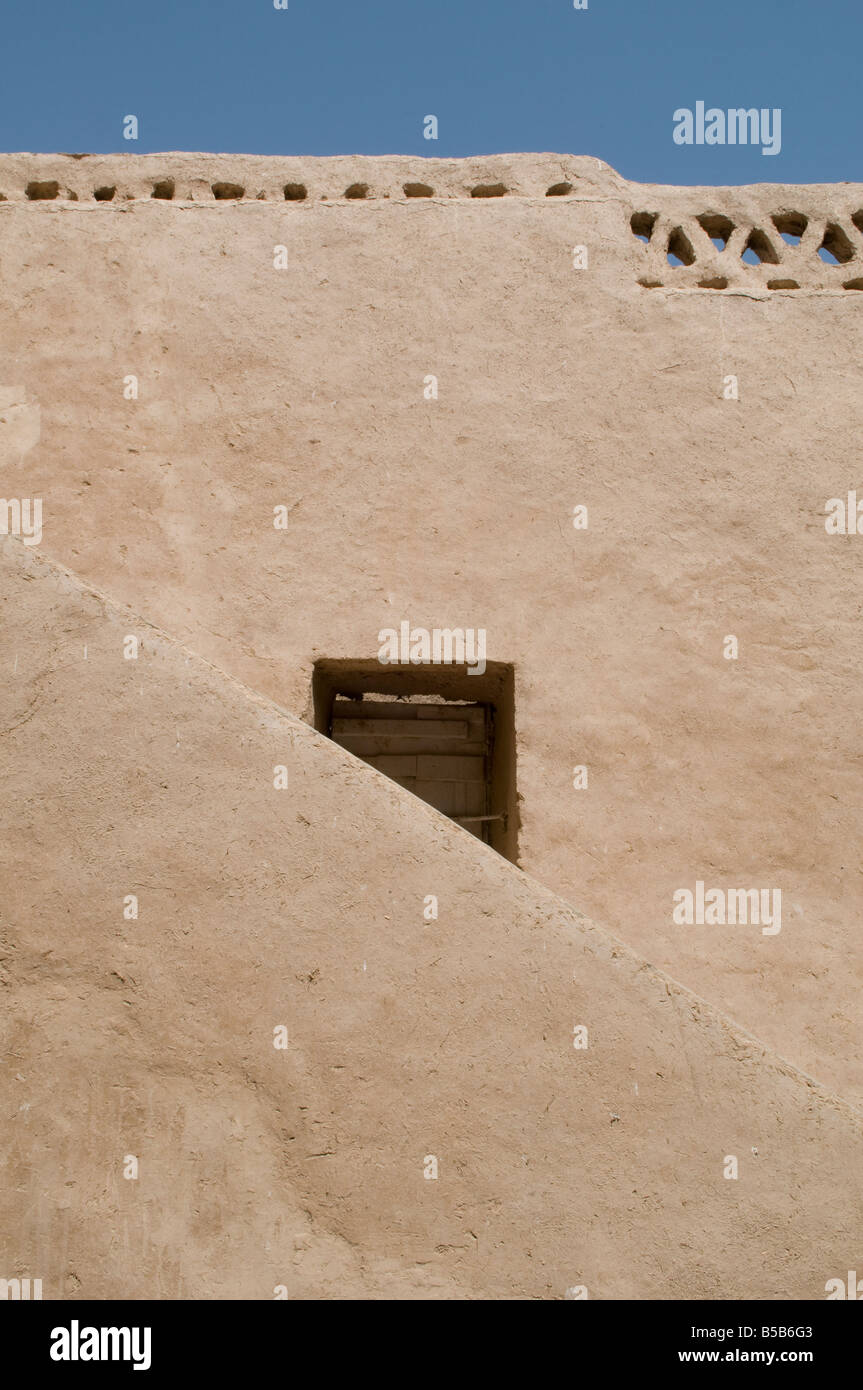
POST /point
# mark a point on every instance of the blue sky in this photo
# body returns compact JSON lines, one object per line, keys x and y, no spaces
{"x":359,"y":76}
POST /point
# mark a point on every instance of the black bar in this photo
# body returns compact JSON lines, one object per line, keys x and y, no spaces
{"x":304,"y":1339}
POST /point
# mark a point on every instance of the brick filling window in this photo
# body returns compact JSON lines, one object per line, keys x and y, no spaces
{"x":444,"y":735}
{"x":439,"y":751}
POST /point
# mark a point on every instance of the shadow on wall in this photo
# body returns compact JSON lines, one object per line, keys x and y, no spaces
{"x":446,"y":735}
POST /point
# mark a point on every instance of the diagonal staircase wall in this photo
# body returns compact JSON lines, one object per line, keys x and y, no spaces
{"x":153,"y":1037}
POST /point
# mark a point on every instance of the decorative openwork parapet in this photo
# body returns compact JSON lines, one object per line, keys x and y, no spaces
{"x":815,"y":245}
